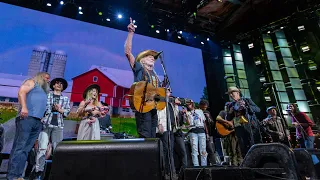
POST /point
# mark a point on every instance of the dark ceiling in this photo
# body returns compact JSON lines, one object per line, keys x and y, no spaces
{"x":221,"y":18}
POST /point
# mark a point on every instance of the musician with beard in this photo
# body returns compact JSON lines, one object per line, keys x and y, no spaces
{"x":275,"y":128}
{"x":242,"y":111}
{"x":32,"y":97}
{"x":143,"y":70}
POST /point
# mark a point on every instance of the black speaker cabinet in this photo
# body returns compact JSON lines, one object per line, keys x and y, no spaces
{"x":305,"y":163}
{"x":272,"y":155}
{"x":114,"y":159}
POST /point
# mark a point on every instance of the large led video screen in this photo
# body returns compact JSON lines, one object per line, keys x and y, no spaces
{"x":85,"y":54}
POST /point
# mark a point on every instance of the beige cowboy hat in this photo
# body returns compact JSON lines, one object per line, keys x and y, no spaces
{"x":146,"y":53}
{"x":232,"y":89}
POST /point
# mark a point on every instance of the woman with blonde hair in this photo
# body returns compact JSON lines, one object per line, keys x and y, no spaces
{"x":89,"y":111}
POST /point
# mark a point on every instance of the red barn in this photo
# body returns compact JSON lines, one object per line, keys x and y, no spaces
{"x":114,"y":86}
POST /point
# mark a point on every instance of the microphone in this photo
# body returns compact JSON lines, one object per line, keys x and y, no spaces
{"x":267,"y":84}
{"x":227,"y":77}
{"x":159,"y":53}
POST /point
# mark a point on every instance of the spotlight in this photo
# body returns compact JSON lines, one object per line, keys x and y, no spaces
{"x":119,"y":16}
{"x":318,"y":88}
{"x":157,"y":31}
{"x":262,"y":79}
{"x":267,"y":98}
{"x":202,"y":43}
{"x":108,"y":19}
{"x":208,"y":39}
{"x":257,"y":62}
{"x":250,"y":45}
{"x":179,"y":37}
{"x":61,"y":2}
{"x":80,"y":8}
{"x":180,"y":32}
{"x":80,"y":12}
{"x":100,"y":13}
{"x":305,"y":48}
{"x":167,"y":30}
{"x":281,"y":27}
{"x":268,"y":32}
{"x":134,"y":21}
{"x":48,"y":4}
{"x":152,"y":26}
{"x":301,"y":28}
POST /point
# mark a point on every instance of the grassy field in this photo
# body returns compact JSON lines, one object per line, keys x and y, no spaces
{"x":127,"y":125}
{"x":7,"y":114}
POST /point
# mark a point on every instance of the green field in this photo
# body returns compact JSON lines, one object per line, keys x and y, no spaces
{"x":7,"y":114}
{"x":127,"y":125}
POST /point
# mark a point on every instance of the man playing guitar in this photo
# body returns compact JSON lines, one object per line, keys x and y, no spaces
{"x":143,"y":70}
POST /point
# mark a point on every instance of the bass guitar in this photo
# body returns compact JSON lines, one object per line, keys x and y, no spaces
{"x":143,"y":97}
{"x":223,"y":129}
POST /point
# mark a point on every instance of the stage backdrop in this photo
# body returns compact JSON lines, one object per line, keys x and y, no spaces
{"x":84,"y":54}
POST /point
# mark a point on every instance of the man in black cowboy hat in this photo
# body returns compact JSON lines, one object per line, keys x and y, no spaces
{"x":143,"y":70}
{"x":58,"y":107}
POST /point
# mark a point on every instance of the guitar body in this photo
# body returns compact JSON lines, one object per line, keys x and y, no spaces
{"x":143,"y":97}
{"x":223,"y":129}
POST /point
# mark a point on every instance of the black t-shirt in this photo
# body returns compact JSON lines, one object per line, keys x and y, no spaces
{"x":223,"y":114}
{"x":54,"y":120}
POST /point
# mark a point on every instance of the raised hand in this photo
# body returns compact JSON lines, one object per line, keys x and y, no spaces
{"x":131,"y":27}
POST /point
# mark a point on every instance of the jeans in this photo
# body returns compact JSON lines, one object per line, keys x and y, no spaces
{"x":180,"y":149}
{"x":147,"y":123}
{"x":169,"y":163}
{"x":307,"y":142}
{"x":56,"y":136}
{"x":198,"y":142}
{"x":27,"y":131}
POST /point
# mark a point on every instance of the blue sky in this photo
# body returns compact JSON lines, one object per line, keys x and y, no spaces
{"x":86,"y":44}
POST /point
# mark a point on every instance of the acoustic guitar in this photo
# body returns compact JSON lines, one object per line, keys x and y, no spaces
{"x":143,"y":97}
{"x":223,"y":129}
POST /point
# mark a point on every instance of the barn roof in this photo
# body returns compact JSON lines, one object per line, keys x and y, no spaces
{"x":123,"y":78}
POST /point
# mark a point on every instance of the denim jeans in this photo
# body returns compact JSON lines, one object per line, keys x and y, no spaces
{"x":56,"y":136}
{"x":198,"y":142}
{"x":27,"y":131}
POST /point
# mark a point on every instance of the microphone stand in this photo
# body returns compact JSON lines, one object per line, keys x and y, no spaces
{"x":167,"y":85}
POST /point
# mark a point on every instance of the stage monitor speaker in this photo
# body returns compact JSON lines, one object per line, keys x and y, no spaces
{"x":132,"y":159}
{"x":272,"y":155}
{"x":305,"y":163}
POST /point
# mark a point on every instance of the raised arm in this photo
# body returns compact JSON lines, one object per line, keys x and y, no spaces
{"x":128,"y":44}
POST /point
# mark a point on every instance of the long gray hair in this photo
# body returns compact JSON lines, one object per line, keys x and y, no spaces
{"x":39,"y":79}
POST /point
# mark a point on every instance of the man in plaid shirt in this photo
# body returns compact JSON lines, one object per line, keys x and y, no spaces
{"x":58,"y":107}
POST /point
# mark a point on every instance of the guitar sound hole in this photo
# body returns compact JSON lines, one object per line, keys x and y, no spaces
{"x":157,"y":98}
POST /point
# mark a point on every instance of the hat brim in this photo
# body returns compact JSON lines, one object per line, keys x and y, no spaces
{"x":63,"y":81}
{"x":233,"y":90}
{"x":92,"y":86}
{"x":147,"y":53}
